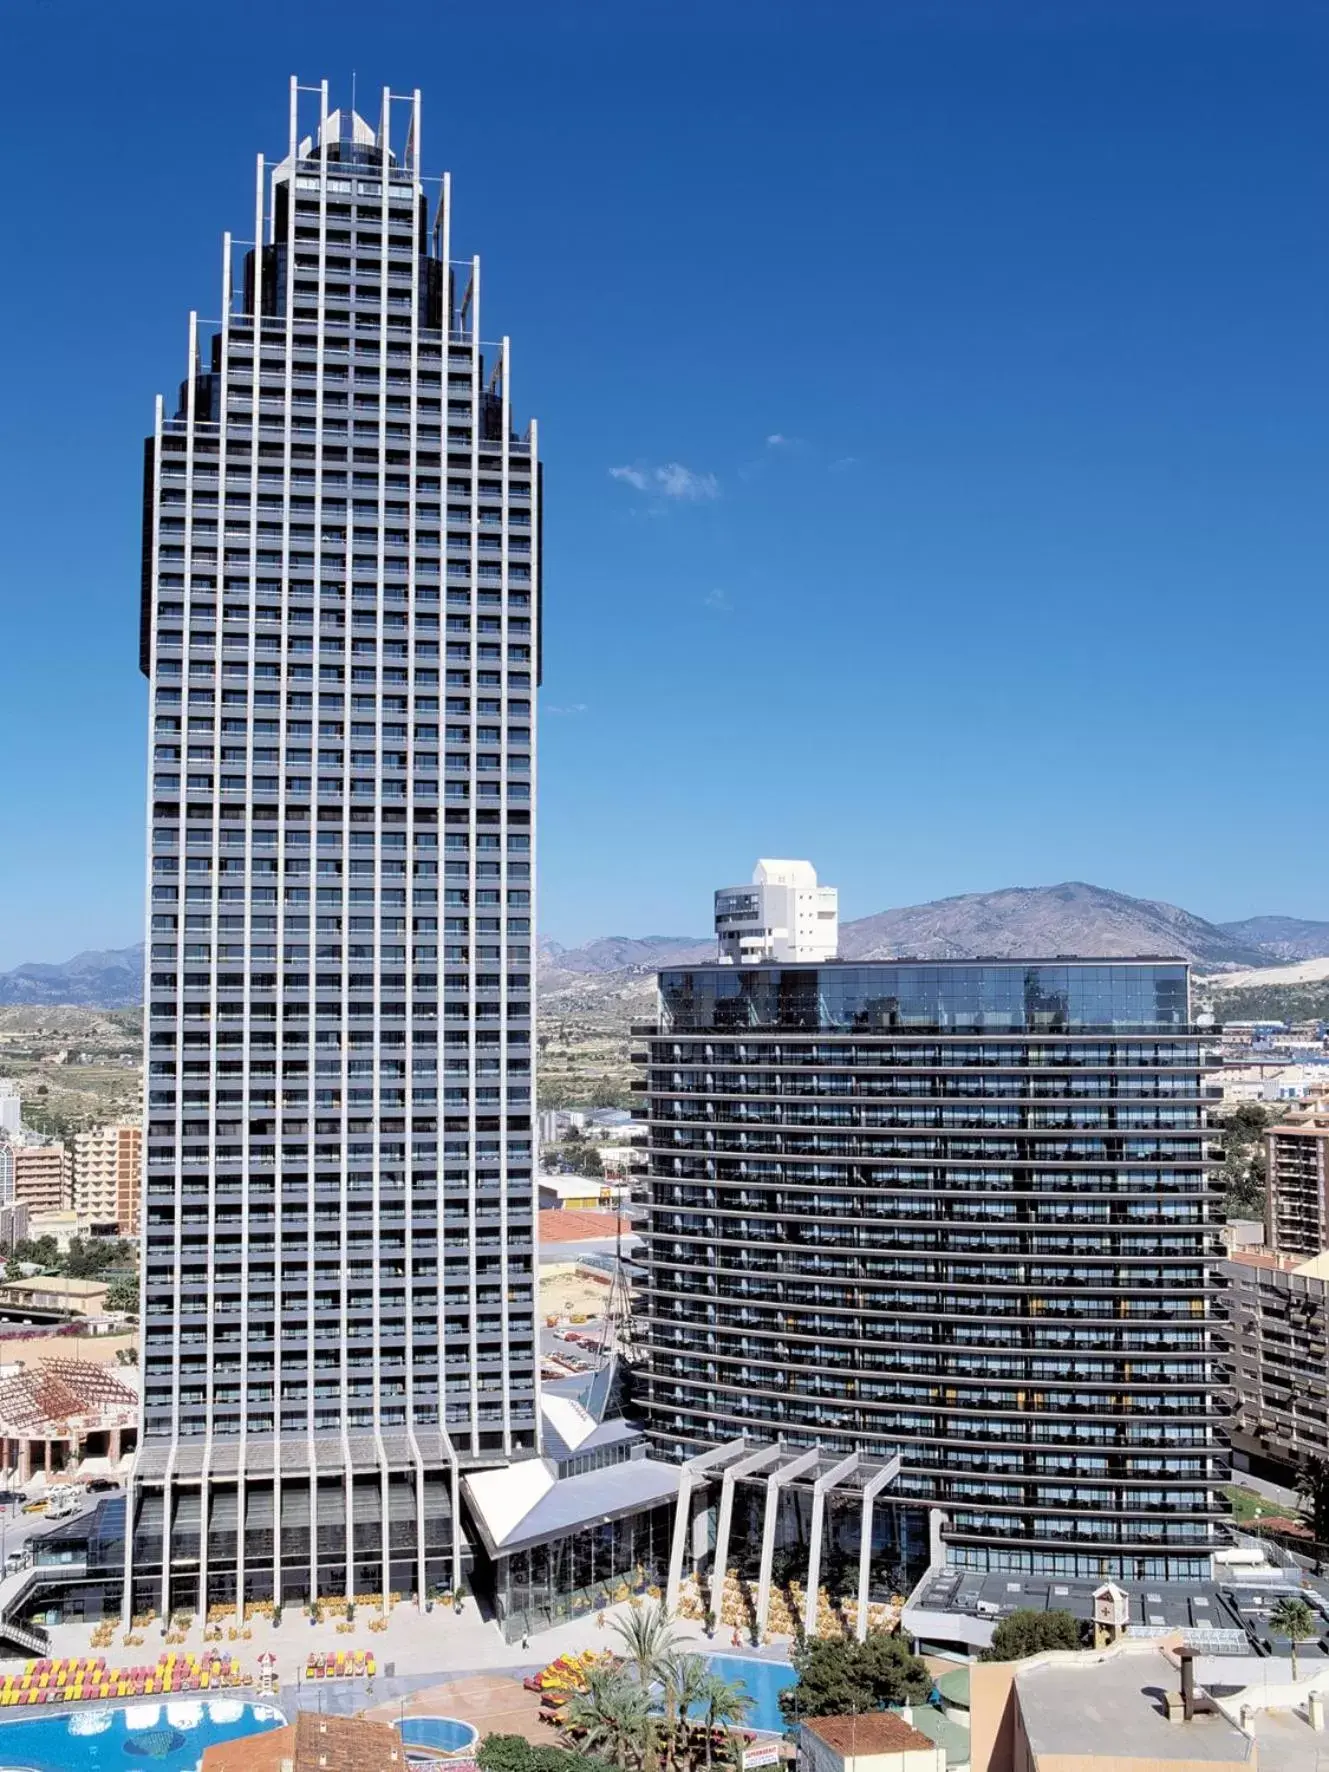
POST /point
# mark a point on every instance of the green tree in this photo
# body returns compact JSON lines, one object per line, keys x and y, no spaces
{"x":683,"y":1678}
{"x":122,"y":1295}
{"x":649,"y":1638}
{"x":725,"y":1705}
{"x":836,"y":1676}
{"x":613,"y":1715}
{"x":513,"y":1753}
{"x":504,"y":1753}
{"x":1244,"y":1163}
{"x":586,"y":1161}
{"x":39,"y":1252}
{"x":1026,"y":1632}
{"x":87,"y":1258}
{"x":1313,"y":1489}
{"x":1294,"y":1621}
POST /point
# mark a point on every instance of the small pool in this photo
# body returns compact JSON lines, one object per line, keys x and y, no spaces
{"x":167,"y":1737}
{"x":433,"y":1736}
{"x":763,"y":1681}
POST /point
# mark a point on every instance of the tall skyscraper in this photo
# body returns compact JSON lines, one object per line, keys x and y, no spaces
{"x":957,"y":1214}
{"x":340,"y":620}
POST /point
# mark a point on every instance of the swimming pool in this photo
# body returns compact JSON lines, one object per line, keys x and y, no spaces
{"x":437,"y":1735}
{"x":763,"y":1681}
{"x":169,"y":1737}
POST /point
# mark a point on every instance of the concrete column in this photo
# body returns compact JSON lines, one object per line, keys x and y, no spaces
{"x":797,"y":1467}
{"x":680,"y":1538}
{"x":350,"y":1526}
{"x":820,"y":1489}
{"x":871,"y":1489}
{"x":421,"y":1576}
{"x":276,"y":1529}
{"x":720,"y":1561}
{"x":313,"y":1528}
{"x":689,"y":1475}
{"x":126,"y":1607}
{"x":46,"y":1456}
{"x":167,"y":1495}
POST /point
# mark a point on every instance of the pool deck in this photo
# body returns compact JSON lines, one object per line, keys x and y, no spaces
{"x":423,"y":1650}
{"x":496,"y":1704}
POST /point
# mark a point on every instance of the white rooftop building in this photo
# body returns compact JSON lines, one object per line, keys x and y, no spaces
{"x":783,"y":915}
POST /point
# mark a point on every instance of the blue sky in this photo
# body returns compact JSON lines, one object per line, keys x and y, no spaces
{"x":934,"y":399}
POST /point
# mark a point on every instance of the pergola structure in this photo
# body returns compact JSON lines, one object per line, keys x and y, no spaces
{"x":782,"y":1466}
{"x":50,"y":1412}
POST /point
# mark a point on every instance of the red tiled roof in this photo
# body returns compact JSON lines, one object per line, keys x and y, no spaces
{"x":314,"y":1743}
{"x":876,"y":1732}
{"x":558,"y":1225}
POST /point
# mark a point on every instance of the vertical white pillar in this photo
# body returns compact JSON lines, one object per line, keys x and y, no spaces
{"x":820,"y":1490}
{"x":720,"y":1561}
{"x":871,"y":1489}
{"x":680,"y":1539}
{"x":777,"y":1480}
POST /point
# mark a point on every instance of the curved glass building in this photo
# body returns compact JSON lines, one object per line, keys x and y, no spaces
{"x":960,"y":1212}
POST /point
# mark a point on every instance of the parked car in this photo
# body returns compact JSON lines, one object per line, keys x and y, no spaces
{"x":37,"y":1507}
{"x":102,"y":1486}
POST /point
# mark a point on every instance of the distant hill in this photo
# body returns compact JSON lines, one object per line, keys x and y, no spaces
{"x":626,"y":953}
{"x":614,"y":971}
{"x":1282,"y":938}
{"x":1073,"y":918}
{"x":107,"y":979}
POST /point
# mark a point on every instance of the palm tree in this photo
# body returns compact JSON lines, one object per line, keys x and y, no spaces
{"x":612,"y":1713}
{"x":1293,"y":1620}
{"x":725,"y":1704}
{"x":649,"y":1638}
{"x":684,"y":1679}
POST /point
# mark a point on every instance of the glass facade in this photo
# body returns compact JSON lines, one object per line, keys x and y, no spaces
{"x":959,"y":1211}
{"x":339,"y":627}
{"x":546,"y":1584}
{"x":1033,"y":997}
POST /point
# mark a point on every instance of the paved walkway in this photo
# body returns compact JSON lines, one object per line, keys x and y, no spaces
{"x":441,"y":1644}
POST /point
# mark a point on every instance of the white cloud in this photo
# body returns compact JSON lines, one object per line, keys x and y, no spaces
{"x":675,"y":481}
{"x":571,"y":707}
{"x":633,"y":476}
{"x":718,"y":600}
{"x":776,"y":440}
{"x":671,"y":480}
{"x":844,"y":462}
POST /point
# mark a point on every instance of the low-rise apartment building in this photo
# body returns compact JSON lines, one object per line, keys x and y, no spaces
{"x":43,"y":1176}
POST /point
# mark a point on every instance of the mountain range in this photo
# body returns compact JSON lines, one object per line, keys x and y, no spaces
{"x":1017,"y":921}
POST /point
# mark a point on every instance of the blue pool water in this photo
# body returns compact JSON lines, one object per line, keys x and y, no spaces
{"x":763,"y":1681}
{"x":443,"y":1735}
{"x":168,"y":1736}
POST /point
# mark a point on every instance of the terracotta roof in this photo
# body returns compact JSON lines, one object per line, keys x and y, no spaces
{"x":58,"y":1393}
{"x":1266,"y":1258}
{"x":559,"y":1226}
{"x":313,"y":1743}
{"x":874,"y":1732}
